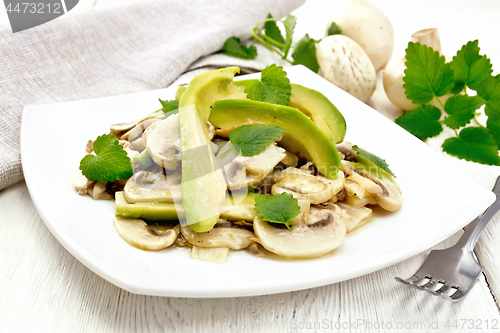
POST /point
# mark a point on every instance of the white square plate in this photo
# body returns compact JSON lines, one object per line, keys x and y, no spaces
{"x":439,"y":199}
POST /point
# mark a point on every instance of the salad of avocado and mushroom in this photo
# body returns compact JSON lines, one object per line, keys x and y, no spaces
{"x":231,"y":165}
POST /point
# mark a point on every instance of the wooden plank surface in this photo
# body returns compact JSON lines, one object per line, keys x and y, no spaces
{"x":44,"y":289}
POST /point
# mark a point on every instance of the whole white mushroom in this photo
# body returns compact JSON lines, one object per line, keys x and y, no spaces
{"x":394,"y":71}
{"x":368,"y":26}
{"x":344,"y":63}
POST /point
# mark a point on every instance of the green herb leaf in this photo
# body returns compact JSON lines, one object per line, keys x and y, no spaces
{"x":170,"y":107}
{"x":289,"y":24}
{"x":272,"y":31}
{"x":233,"y":48}
{"x":379,"y":162}
{"x":473,"y":144}
{"x":305,"y":53}
{"x":273,"y":87}
{"x":250,"y":140}
{"x":426,"y":74}
{"x":470,"y":68}
{"x":280,"y":208}
{"x":109,"y":163}
{"x":489,"y":89}
{"x":422,"y":122}
{"x":461,"y":109}
{"x":493,"y":126}
{"x":334,"y":29}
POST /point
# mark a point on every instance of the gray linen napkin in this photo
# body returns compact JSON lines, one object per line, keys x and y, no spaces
{"x":117,"y":51}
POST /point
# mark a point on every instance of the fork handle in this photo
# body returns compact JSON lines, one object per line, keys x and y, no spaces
{"x":472,"y":232}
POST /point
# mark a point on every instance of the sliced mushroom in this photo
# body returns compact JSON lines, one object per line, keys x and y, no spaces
{"x":315,"y":232}
{"x":81,"y":183}
{"x":148,"y":186}
{"x":357,"y":195}
{"x":137,"y":130}
{"x":303,"y":185}
{"x":355,"y":217}
{"x":384,"y":190}
{"x":164,"y":143}
{"x":128,"y":148}
{"x":137,"y":233}
{"x":243,"y":171}
{"x":235,"y":238}
{"x":214,"y":254}
{"x":117,"y":129}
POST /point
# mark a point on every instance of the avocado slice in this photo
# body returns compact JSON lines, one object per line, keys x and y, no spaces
{"x":203,"y":187}
{"x":166,"y":211}
{"x":301,"y":135}
{"x":317,"y":107}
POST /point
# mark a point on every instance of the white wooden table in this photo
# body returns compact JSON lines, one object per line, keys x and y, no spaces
{"x":44,"y":289}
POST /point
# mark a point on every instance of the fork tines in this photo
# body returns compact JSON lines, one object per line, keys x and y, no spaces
{"x":435,"y":287}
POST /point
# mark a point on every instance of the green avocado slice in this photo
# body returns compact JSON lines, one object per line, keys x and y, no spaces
{"x":317,"y":107}
{"x":168,"y":211}
{"x":301,"y":135}
{"x":203,"y":187}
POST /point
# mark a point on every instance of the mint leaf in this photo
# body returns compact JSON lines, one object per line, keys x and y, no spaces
{"x":461,"y":109}
{"x":250,"y":140}
{"x":426,"y":74}
{"x":233,"y":48}
{"x":493,"y":126}
{"x":305,"y":53}
{"x":169,"y":107}
{"x":334,"y":29}
{"x":473,"y":144}
{"x":109,"y":163}
{"x":379,"y":162}
{"x":272,"y":31}
{"x":469,"y":67}
{"x":489,"y":90}
{"x":289,"y":24}
{"x":280,"y":208}
{"x":422,"y":122}
{"x":273,"y":87}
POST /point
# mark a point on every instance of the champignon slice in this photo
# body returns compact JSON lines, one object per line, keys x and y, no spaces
{"x":137,"y":233}
{"x":164,"y":143}
{"x":138,"y":129}
{"x":81,"y":183}
{"x":315,"y":233}
{"x":122,"y":127}
{"x":357,"y":195}
{"x":213,"y":254}
{"x":235,"y":238}
{"x":303,"y":185}
{"x":128,"y":148}
{"x":355,"y":217}
{"x":242,"y":171}
{"x":147,"y":186}
{"x":385,"y":191}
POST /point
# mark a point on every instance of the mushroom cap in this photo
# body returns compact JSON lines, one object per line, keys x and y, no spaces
{"x":164,"y":143}
{"x":305,"y":186}
{"x":317,"y":232}
{"x":384,"y":190}
{"x":116,"y":129}
{"x":137,"y":233}
{"x":366,"y":24}
{"x":344,"y":63}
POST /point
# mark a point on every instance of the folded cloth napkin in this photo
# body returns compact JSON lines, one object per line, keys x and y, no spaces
{"x":143,"y":46}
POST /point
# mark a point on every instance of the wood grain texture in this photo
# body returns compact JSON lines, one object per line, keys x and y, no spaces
{"x":44,"y":289}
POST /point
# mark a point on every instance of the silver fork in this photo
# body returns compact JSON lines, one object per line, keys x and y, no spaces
{"x":452,"y":272}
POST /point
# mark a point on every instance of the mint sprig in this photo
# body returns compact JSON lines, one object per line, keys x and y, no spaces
{"x":233,"y":48}
{"x":169,"y":107}
{"x":279,"y":208}
{"x":428,"y":77}
{"x":334,"y":29}
{"x":305,"y":53}
{"x":372,"y":158}
{"x":109,"y":163}
{"x":273,"y":87}
{"x":250,"y":140}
